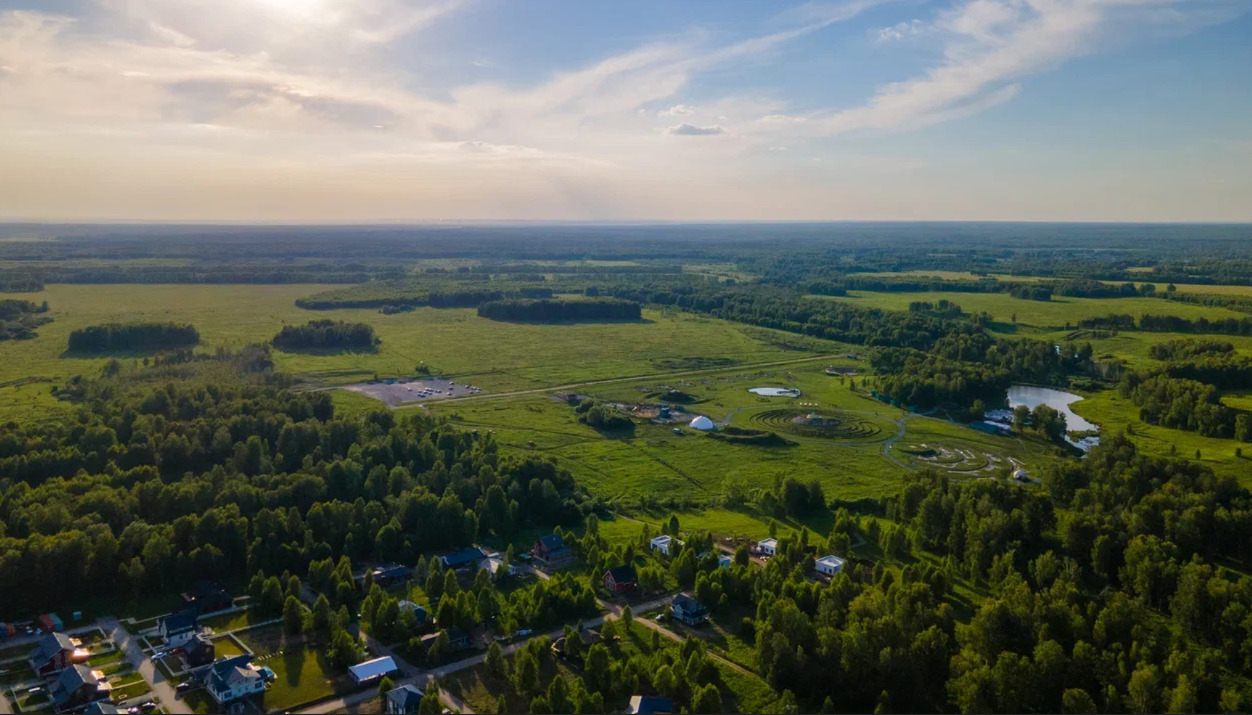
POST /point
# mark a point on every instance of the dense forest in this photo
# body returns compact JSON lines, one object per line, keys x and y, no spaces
{"x":20,"y":318}
{"x":326,"y":335}
{"x":208,"y":467}
{"x":133,"y":337}
{"x":560,"y":311}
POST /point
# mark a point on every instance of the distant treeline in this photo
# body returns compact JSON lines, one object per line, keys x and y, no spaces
{"x":20,"y":284}
{"x":19,"y":318}
{"x":559,"y":311}
{"x":785,"y":309}
{"x":125,"y":337}
{"x":540,"y":269}
{"x":1170,"y":324}
{"x":323,"y":334}
{"x":1026,"y":290}
{"x":395,"y":294}
{"x":191,"y":274}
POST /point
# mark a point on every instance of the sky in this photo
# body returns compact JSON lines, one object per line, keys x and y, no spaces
{"x":362,"y":111}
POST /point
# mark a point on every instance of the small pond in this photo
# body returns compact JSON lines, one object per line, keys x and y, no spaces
{"x":774,"y":391}
{"x":1060,"y":401}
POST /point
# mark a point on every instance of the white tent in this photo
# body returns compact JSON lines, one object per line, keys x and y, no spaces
{"x":702,"y":423}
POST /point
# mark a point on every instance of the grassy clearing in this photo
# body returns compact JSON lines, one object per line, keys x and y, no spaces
{"x":497,"y":356}
{"x":303,"y":672}
{"x":1038,"y":316}
{"x":641,"y":468}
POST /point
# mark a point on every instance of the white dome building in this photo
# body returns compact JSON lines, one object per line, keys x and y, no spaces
{"x":702,"y":423}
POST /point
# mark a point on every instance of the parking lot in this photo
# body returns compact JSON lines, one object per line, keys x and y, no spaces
{"x":398,"y":392}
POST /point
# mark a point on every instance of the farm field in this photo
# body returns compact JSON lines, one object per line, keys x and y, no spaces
{"x":497,"y":356}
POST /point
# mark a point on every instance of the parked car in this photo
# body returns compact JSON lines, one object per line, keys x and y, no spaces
{"x":185,"y":686}
{"x":147,"y":706}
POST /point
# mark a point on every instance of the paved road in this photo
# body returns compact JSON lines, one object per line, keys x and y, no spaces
{"x":162,"y":691}
{"x":424,"y":678}
{"x":607,"y":381}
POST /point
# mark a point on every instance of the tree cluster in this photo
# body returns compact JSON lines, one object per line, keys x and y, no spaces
{"x":133,"y":337}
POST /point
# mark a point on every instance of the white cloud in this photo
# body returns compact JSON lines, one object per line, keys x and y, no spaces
{"x":901,"y":30}
{"x":691,"y":130}
{"x":677,"y":110}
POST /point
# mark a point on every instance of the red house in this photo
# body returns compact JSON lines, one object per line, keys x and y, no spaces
{"x":54,"y":653}
{"x":621,"y":579}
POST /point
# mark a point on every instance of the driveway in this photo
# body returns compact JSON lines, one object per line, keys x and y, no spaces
{"x":162,"y":691}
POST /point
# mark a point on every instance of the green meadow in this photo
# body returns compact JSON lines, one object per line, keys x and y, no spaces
{"x":494,"y":355}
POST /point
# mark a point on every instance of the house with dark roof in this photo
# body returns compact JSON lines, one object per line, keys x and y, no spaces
{"x":467,"y":558}
{"x":77,"y":686}
{"x":230,"y":679}
{"x":551,"y":552}
{"x":54,"y":653}
{"x":621,"y":579}
{"x":102,"y":707}
{"x":688,"y":610}
{"x":404,"y":700}
{"x":199,"y":651}
{"x":207,"y":597}
{"x":179,"y":628}
{"x":649,"y":705}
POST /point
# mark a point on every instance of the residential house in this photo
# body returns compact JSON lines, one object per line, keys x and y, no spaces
{"x":404,"y":700}
{"x":648,"y":705}
{"x":207,"y":597}
{"x":102,"y":707}
{"x":828,"y":565}
{"x":179,"y":628}
{"x":384,"y":575}
{"x":233,"y":678}
{"x":199,"y":651}
{"x":495,"y":562}
{"x":465,"y":559}
{"x":551,"y":552}
{"x":724,"y":561}
{"x":418,"y":611}
{"x":768,"y":547}
{"x":662,"y":543}
{"x":77,"y":686}
{"x":373,"y":670}
{"x":458,"y":638}
{"x":688,"y":610}
{"x":54,"y":653}
{"x":621,"y":579}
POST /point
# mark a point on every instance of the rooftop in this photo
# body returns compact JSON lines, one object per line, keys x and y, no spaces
{"x":372,"y":669}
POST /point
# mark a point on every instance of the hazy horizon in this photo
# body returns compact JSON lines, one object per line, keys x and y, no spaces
{"x":361,"y":112}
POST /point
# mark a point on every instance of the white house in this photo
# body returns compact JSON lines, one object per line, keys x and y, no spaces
{"x":177,"y":629}
{"x":828,"y":565}
{"x":662,"y":543}
{"x":769,"y":547}
{"x":233,"y":678}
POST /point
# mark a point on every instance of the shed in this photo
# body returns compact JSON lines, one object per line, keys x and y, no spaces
{"x":372,"y":670}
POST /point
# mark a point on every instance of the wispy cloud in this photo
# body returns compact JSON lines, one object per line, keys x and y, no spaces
{"x":691,"y":130}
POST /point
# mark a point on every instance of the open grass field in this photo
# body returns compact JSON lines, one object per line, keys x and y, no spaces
{"x":303,"y":672}
{"x":1036,"y":316}
{"x":498,"y":356}
{"x":650,"y":466}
